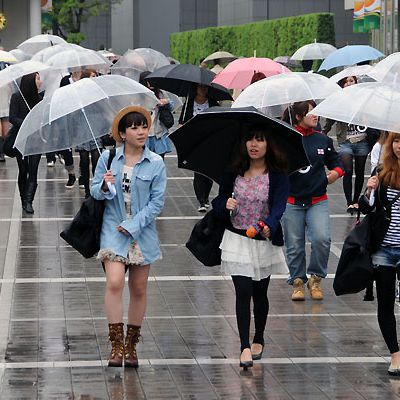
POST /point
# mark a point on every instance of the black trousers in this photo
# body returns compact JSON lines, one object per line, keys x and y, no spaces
{"x":84,"y":165}
{"x":27,"y":172}
{"x":202,"y":187}
{"x":246,"y":289}
{"x":385,"y":292}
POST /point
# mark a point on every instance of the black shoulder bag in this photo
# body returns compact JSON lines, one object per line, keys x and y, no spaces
{"x":83,"y":233}
{"x":165,"y":116}
{"x":355,"y":271}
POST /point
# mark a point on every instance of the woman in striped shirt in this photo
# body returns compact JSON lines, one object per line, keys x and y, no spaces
{"x":385,"y":241}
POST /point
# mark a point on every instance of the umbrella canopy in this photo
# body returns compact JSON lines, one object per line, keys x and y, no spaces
{"x":238,"y":74}
{"x":313,"y":51}
{"x":40,"y":42}
{"x":220,"y":55}
{"x":77,"y":59}
{"x":20,"y":55}
{"x":216,"y":69}
{"x":350,"y":55}
{"x":355,"y":70}
{"x":133,"y":62}
{"x":181,"y":79}
{"x":284,"y":89}
{"x":287,"y":61}
{"x":387,"y":70}
{"x":79,"y":112}
{"x":373,"y":104}
{"x":16,"y":71}
{"x":206,"y":142}
{"x":46,"y":53}
{"x":7,"y":57}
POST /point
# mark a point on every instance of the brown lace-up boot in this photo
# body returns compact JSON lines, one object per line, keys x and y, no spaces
{"x":116,"y":336}
{"x":131,"y":340}
{"x":314,"y":286}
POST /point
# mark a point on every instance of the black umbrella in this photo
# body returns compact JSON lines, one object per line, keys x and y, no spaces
{"x":181,"y":79}
{"x":206,"y":142}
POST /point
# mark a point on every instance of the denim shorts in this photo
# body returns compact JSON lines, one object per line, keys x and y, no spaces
{"x":354,"y":149}
{"x":388,"y":256}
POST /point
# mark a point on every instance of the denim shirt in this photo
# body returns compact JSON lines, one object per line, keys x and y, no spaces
{"x":148,"y":184}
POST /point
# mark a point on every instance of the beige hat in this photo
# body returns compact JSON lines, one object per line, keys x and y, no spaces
{"x":115,"y":132}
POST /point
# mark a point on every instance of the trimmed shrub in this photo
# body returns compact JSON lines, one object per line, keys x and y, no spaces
{"x":270,"y":38}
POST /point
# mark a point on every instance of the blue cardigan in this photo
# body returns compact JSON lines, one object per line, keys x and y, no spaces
{"x":277,"y":197}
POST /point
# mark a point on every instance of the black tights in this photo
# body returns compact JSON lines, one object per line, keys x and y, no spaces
{"x":27,"y":172}
{"x":245,"y":289}
{"x":385,"y":292}
{"x":84,"y":164}
{"x":359,"y":162}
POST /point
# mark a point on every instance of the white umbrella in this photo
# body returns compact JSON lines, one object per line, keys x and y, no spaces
{"x":79,"y":112}
{"x":13,"y":72}
{"x":355,"y":70}
{"x":77,"y":59}
{"x":372,"y":104}
{"x":387,"y":70}
{"x":39,"y":42}
{"x":133,"y":62}
{"x":313,"y":51}
{"x":20,"y":55}
{"x":271,"y":95}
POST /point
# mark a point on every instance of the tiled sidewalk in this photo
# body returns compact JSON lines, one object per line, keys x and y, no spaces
{"x":53,"y":331}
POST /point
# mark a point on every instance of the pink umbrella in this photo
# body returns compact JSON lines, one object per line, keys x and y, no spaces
{"x":238,"y":74}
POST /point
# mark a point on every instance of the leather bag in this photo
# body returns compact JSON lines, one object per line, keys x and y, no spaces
{"x":83,"y":233}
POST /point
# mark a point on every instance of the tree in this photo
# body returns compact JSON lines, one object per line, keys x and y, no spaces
{"x":67,"y":17}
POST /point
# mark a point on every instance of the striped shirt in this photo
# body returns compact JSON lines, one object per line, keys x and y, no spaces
{"x":392,"y":237}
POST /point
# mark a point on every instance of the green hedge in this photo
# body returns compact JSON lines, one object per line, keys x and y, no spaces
{"x":270,"y":38}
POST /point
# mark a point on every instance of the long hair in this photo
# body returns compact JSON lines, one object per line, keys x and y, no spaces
{"x":29,"y":89}
{"x":275,"y":159}
{"x":299,"y":109}
{"x":390,"y":172}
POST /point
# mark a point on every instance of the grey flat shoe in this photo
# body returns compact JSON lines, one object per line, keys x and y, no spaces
{"x":394,"y":370}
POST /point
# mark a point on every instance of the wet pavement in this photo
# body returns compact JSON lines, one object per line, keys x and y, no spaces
{"x":53,"y":331}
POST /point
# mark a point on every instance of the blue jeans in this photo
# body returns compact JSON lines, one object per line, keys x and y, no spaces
{"x":313,"y":219}
{"x":387,"y":256}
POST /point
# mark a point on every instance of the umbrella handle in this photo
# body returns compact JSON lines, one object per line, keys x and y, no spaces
{"x":111,"y":188}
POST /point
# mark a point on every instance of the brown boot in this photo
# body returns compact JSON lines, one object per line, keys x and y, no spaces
{"x":314,"y":286}
{"x":116,"y":336}
{"x":131,"y":340}
{"x":298,"y":290}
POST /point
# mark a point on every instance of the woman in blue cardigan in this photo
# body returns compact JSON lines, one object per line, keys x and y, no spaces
{"x":252,"y":198}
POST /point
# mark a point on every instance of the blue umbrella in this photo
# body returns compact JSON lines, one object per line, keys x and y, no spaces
{"x":350,"y":55}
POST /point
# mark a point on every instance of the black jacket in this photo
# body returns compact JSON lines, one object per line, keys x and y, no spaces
{"x":18,"y":109}
{"x":277,"y":197}
{"x":187,"y":111}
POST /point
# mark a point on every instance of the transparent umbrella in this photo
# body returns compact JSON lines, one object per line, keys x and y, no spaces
{"x":313,"y":51}
{"x":74,"y":59}
{"x":355,"y":70}
{"x":79,"y":112}
{"x":7,"y":57}
{"x":20,"y":55}
{"x":387,"y":70}
{"x":271,"y":95}
{"x":39,"y":42}
{"x":45,"y":54}
{"x":133,"y":62}
{"x":372,"y":104}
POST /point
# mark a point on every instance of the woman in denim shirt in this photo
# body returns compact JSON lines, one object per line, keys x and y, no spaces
{"x":128,"y":237}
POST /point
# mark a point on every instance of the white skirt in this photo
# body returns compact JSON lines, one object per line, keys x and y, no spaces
{"x":256,"y":259}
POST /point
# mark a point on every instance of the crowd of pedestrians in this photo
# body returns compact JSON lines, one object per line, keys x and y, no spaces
{"x":255,"y":187}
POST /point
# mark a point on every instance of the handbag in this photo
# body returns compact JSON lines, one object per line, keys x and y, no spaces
{"x":355,"y":271}
{"x":9,"y":141}
{"x":83,"y":233}
{"x":206,"y":238}
{"x":165,"y":116}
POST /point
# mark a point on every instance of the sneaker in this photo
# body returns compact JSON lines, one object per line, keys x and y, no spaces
{"x":61,"y":159}
{"x":202,"y":208}
{"x":80,"y":182}
{"x":298,"y":290}
{"x":71,"y":181}
{"x":394,"y":370}
{"x":51,"y":164}
{"x":207,"y":204}
{"x":314,"y":286}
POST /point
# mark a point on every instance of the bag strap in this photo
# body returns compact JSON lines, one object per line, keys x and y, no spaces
{"x":110,"y":158}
